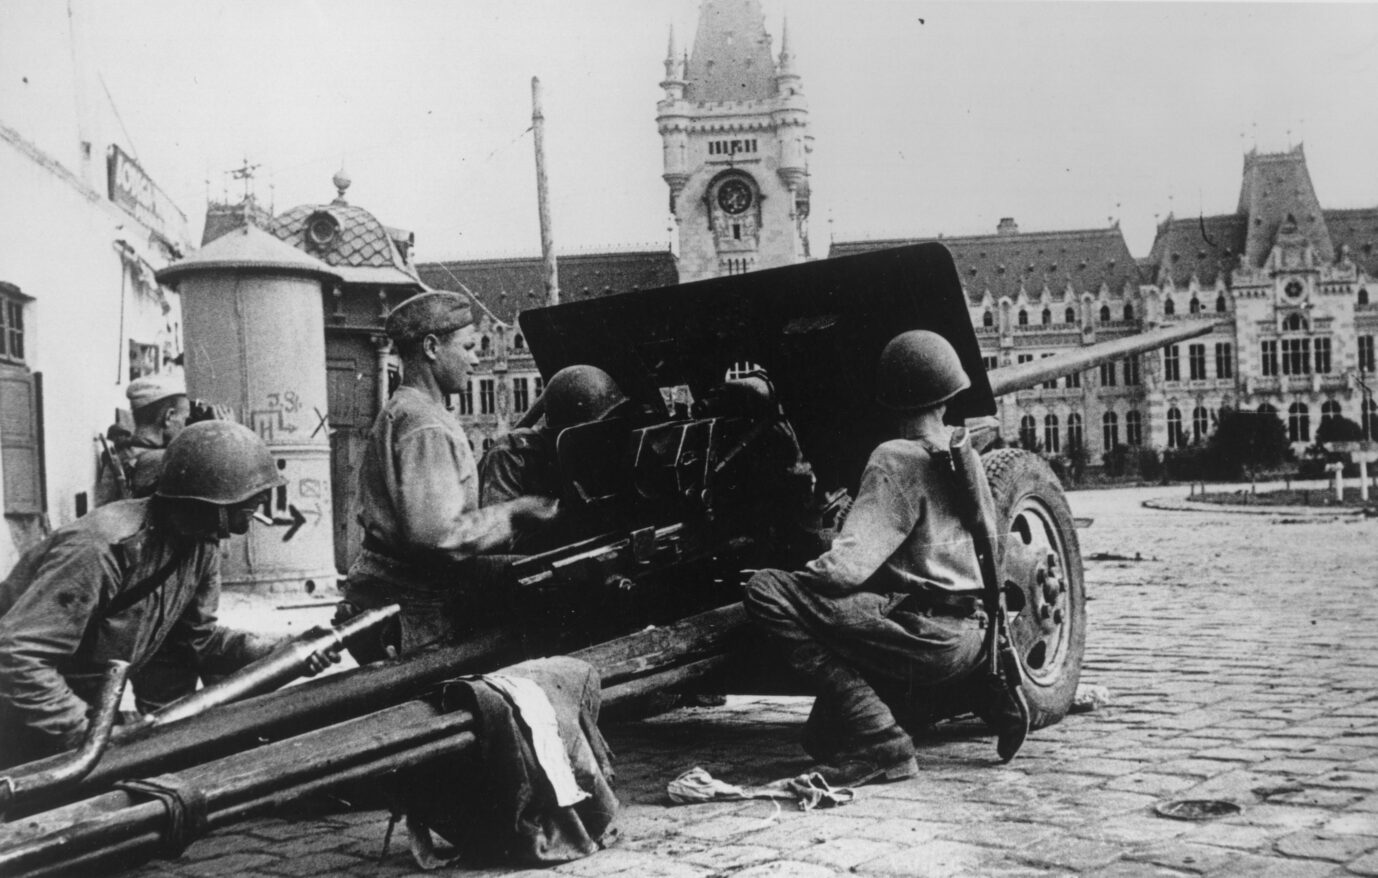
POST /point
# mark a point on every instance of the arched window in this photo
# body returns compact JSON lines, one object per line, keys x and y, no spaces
{"x":518,"y":343}
{"x":1363,"y":295}
{"x":1200,"y":423}
{"x":1070,"y":316}
{"x":1047,"y":316}
{"x":1051,"y":443}
{"x":1110,"y":430}
{"x":1023,"y":317}
{"x":1169,"y":308}
{"x":1330,"y":410}
{"x":1134,"y":428}
{"x":1175,"y":437}
{"x":485,"y":346}
{"x":1298,"y":423}
{"x":1028,"y":432}
{"x":1075,"y":438}
{"x":1266,"y":409}
{"x":987,"y":319}
{"x":1294,"y":323}
{"x":1220,"y":304}
{"x":1194,"y":306}
{"x":1371,"y":416}
{"x":1104,"y":313}
{"x":1128,"y":311}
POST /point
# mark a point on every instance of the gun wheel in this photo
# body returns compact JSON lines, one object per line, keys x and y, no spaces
{"x":1044,"y":590}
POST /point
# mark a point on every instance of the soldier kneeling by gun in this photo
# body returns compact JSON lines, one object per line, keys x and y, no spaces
{"x":897,"y":600}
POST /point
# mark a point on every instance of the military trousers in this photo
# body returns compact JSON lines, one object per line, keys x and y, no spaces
{"x":849,"y":644}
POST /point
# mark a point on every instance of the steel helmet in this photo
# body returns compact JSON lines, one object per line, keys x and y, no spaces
{"x":919,"y":369}
{"x":218,"y":462}
{"x":578,"y":394}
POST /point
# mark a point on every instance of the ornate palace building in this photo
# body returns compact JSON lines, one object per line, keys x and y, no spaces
{"x":1285,"y":282}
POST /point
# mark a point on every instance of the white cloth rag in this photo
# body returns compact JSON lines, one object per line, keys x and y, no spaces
{"x":534,"y":709}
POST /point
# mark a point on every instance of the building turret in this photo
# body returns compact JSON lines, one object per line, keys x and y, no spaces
{"x":734,"y":123}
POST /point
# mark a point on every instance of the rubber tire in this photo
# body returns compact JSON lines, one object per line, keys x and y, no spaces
{"x":1028,"y":501}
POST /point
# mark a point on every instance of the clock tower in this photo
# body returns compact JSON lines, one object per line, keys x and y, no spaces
{"x":735,"y":127}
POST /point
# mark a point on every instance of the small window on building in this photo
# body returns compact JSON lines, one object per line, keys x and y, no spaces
{"x":1363,"y":295}
{"x":1224,"y":360}
{"x":1070,"y":315}
{"x":990,"y":361}
{"x":487,"y":397}
{"x":485,"y":346}
{"x":1052,"y":442}
{"x":987,"y":318}
{"x":1047,"y":316}
{"x":1330,"y":410}
{"x":1134,"y":428}
{"x":1028,"y":432}
{"x":518,"y":342}
{"x":521,"y":401}
{"x":1131,"y":371}
{"x":1366,"y":360}
{"x":1195,"y":305}
{"x":1128,"y":311}
{"x":1196,"y":362}
{"x":1175,"y":437}
{"x":1107,"y":374}
{"x":1023,"y":317}
{"x":1075,"y":438}
{"x":1268,"y":357}
{"x":1200,"y":423}
{"x":1220,"y":304}
{"x":1110,"y":430}
{"x":1296,"y":356}
{"x":466,"y":398}
{"x":12,"y":304}
{"x":1074,"y":381}
{"x":1169,"y":308}
{"x":1104,"y":313}
{"x":1298,"y":423}
{"x":1294,"y":323}
{"x":1049,"y":385}
{"x":1323,"y":356}
{"x":1172,"y":363}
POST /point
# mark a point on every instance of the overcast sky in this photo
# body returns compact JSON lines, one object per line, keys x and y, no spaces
{"x":927,"y":117}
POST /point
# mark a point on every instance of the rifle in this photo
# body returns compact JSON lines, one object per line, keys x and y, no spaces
{"x":1004,"y":673}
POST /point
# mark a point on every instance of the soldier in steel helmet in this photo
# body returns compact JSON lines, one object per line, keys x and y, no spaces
{"x":133,"y":580}
{"x":523,"y":462}
{"x":418,"y":488}
{"x":895,"y":603}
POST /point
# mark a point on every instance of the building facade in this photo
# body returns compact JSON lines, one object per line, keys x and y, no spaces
{"x":1284,"y":283}
{"x":85,"y":228}
{"x":734,"y":124}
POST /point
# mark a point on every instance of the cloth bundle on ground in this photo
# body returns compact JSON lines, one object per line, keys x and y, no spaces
{"x":535,"y":789}
{"x":809,"y":790}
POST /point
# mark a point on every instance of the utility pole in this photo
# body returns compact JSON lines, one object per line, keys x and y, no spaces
{"x":552,"y":274}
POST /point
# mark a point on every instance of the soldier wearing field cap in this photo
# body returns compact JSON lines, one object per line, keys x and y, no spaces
{"x":161,"y":410}
{"x":418,"y":488}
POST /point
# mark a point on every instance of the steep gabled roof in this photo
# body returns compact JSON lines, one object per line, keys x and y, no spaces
{"x":731,"y":59}
{"x":1277,"y":190}
{"x":1083,"y":259}
{"x":1357,"y":232}
{"x":509,"y":286}
{"x":1208,"y":247}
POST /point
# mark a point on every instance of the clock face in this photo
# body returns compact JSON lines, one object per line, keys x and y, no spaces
{"x":734,"y":196}
{"x":1293,"y":289}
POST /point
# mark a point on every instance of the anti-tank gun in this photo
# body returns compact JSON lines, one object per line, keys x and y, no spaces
{"x":702,"y":497}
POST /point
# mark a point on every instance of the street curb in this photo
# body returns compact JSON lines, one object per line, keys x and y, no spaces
{"x":1190,"y":505}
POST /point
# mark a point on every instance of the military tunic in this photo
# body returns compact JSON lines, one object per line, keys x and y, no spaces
{"x":56,"y":636}
{"x":419,"y":507}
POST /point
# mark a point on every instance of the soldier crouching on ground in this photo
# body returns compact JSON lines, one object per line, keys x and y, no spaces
{"x":523,"y":463}
{"x":418,"y":490}
{"x":896,"y":601}
{"x":128,"y":581}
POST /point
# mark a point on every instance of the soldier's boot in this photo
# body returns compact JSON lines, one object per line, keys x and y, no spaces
{"x":852,"y":724}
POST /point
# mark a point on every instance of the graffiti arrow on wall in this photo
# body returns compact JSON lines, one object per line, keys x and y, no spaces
{"x":295,"y":522}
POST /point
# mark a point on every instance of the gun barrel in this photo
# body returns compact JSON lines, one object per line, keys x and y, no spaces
{"x":1024,"y":376}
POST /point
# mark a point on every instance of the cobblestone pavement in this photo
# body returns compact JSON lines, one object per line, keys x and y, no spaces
{"x":1241,"y":656}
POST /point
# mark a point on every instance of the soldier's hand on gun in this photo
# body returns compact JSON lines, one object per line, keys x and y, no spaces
{"x":534,"y":510}
{"x":321,"y":659}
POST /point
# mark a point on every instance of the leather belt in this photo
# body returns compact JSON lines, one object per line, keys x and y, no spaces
{"x":960,"y":605}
